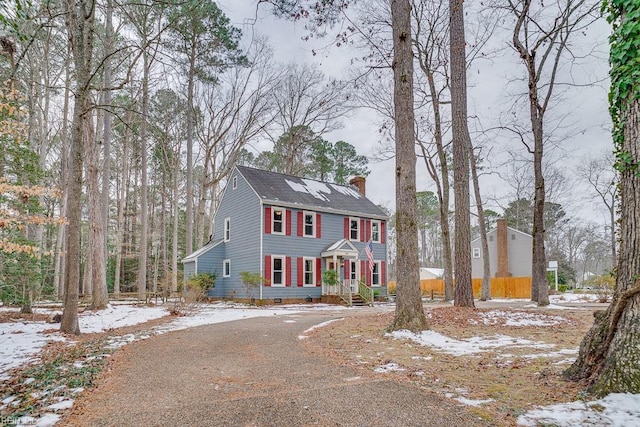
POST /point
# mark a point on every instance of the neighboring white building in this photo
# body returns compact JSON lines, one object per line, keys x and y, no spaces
{"x":431,"y":273}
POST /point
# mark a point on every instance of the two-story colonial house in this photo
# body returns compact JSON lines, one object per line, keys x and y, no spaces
{"x":291,"y":230}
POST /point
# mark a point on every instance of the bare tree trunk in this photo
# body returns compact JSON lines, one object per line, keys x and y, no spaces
{"x":124,"y":185}
{"x":202,"y":210}
{"x":189,"y":169}
{"x":409,"y":312}
{"x":212,"y":210}
{"x":163,"y":230}
{"x":79,"y":22}
{"x":612,"y":223}
{"x":442,"y":184}
{"x":485,"y":293}
{"x":610,"y":352}
{"x":461,"y":144}
{"x":142,"y":260}
{"x":96,"y":270}
{"x":174,"y":237}
{"x":106,"y":141}
{"x":59,"y":267}
{"x":539,"y":263}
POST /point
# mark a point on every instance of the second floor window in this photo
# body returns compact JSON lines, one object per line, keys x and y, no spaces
{"x":354,"y":229}
{"x":227,"y":229}
{"x":476,"y":252}
{"x":375,"y":231}
{"x":309,"y":219}
{"x":278,"y":221}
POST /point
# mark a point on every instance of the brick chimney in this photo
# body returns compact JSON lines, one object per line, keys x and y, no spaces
{"x":360,"y":183}
{"x":503,"y":249}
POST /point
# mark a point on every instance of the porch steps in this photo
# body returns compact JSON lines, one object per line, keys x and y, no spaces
{"x":358,"y":301}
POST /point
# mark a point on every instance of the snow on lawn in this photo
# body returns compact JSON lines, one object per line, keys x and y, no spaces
{"x":520,"y":318}
{"x":616,"y":410}
{"x":573,"y":298}
{"x":117,"y":317}
{"x":469,"y":346}
{"x":21,"y":341}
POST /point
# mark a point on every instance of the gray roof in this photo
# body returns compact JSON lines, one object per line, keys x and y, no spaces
{"x":287,"y":190}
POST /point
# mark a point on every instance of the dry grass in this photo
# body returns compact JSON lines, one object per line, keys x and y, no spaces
{"x":515,"y":381}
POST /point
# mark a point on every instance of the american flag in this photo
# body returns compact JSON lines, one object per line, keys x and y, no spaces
{"x":368,"y":249}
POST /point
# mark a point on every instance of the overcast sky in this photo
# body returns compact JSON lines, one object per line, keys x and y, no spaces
{"x":492,"y":86}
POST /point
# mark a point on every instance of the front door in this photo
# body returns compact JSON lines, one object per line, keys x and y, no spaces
{"x":353,"y":275}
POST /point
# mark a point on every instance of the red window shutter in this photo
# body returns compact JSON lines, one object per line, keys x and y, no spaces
{"x":288,"y":269}
{"x":300,"y":223}
{"x":362,"y":230}
{"x":346,"y":227}
{"x":318,"y":271}
{"x":300,"y":271}
{"x":367,"y":236}
{"x":383,"y":232}
{"x":346,"y":269}
{"x":267,"y":269}
{"x":383,"y":273}
{"x":318,"y":226}
{"x":267,"y":220}
{"x":288,"y":222}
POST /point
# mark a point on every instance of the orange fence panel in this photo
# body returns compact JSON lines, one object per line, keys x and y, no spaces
{"x":501,"y":287}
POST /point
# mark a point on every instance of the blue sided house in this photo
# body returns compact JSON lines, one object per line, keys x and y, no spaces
{"x":291,"y":230}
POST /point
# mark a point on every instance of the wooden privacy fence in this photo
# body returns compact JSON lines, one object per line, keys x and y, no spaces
{"x":501,"y":287}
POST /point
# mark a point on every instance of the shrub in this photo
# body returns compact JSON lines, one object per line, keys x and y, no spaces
{"x":251,"y":281}
{"x":603,"y":285}
{"x":330,"y":277}
{"x":199,"y":284}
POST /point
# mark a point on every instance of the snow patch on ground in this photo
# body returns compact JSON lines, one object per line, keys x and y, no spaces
{"x":473,"y":402}
{"x":469,"y":346}
{"x":319,"y":325}
{"x":520,"y":318}
{"x":389,"y":367}
{"x":617,"y":410}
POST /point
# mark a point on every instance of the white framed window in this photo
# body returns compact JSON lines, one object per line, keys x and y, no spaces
{"x":226,"y":268}
{"x":309,"y":224}
{"x":235,"y":182}
{"x":375,"y":231}
{"x":354,"y":229}
{"x":277,"y":270}
{"x":277,"y":220}
{"x":375,"y":274}
{"x":227,"y":229}
{"x":476,"y":252}
{"x":309,"y":271}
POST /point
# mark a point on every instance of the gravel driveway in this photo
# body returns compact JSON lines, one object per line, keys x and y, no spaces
{"x":254,"y":372}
